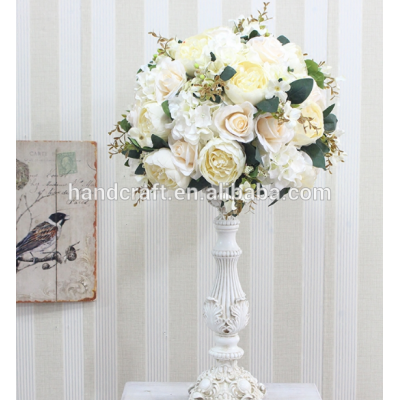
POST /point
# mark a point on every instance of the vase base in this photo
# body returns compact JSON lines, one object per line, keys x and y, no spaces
{"x":227,"y":381}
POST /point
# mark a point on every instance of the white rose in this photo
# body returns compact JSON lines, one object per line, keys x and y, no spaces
{"x":169,"y":79}
{"x":148,"y":119}
{"x":309,"y":132}
{"x":236,"y":122}
{"x":221,"y":161}
{"x":248,"y":84}
{"x":160,"y":168}
{"x":318,"y":96}
{"x":185,"y":156}
{"x":268,"y":48}
{"x":191,"y":52}
{"x":270,"y":134}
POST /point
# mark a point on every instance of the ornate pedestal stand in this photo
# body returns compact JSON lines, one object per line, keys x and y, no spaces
{"x":226,"y":312}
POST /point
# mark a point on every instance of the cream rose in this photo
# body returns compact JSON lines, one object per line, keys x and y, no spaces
{"x":295,"y":59}
{"x":148,"y":119}
{"x":268,"y":48}
{"x":248,"y":84}
{"x":221,"y":161}
{"x":318,"y":96}
{"x":270,"y":134}
{"x":191,"y":51}
{"x":236,"y":122}
{"x":185,"y":156}
{"x":306,"y":134}
{"x":169,"y":79}
{"x":160,"y":168}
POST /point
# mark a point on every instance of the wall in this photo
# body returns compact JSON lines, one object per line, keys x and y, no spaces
{"x":312,"y":271}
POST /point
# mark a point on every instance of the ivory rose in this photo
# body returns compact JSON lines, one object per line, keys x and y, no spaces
{"x":221,"y":161}
{"x":248,"y":84}
{"x":185,"y":156}
{"x":306,"y":134}
{"x":160,"y":168}
{"x":268,"y":48}
{"x":270,"y":134}
{"x":236,"y":122}
{"x":169,"y":79}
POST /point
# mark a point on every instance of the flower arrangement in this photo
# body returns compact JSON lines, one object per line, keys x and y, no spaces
{"x":231,"y":106}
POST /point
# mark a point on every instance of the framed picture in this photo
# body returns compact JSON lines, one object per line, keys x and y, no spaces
{"x":56,"y":228}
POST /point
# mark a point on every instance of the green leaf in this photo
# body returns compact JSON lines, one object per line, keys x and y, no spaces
{"x":315,"y":73}
{"x":227,"y":73}
{"x":158,"y":142}
{"x":250,"y":151}
{"x":125,"y":125}
{"x":217,"y":99}
{"x":330,"y":123}
{"x":283,"y":39}
{"x":254,"y":173}
{"x":269,"y":105}
{"x":258,"y":157}
{"x":253,"y":34}
{"x":328,"y":110}
{"x":165,"y":107}
{"x":199,"y":184}
{"x":316,"y":155}
{"x":324,"y":148}
{"x":139,"y":71}
{"x":137,"y":145}
{"x":151,"y":66}
{"x":300,"y":90}
{"x":140,"y":170}
{"x":212,"y":55}
{"x":127,"y":163}
{"x":282,"y":193}
{"x":132,"y":154}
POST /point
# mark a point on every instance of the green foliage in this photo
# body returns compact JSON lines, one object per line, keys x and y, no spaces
{"x":268,"y":105}
{"x":300,"y":90}
{"x":212,"y":55}
{"x":316,"y":155}
{"x":283,"y":39}
{"x":227,"y":73}
{"x":324,"y":148}
{"x":250,"y":151}
{"x":282,"y":193}
{"x":140,"y":170}
{"x":125,"y":125}
{"x":165,"y":107}
{"x":328,"y":110}
{"x":199,"y":184}
{"x":330,"y":123}
{"x":315,"y":73}
{"x":253,"y":34}
{"x":158,"y":142}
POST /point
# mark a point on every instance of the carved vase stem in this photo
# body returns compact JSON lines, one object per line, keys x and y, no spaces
{"x":226,"y":312}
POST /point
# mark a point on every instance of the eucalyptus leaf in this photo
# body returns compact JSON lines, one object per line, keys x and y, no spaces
{"x":269,"y":105}
{"x":250,"y":151}
{"x":324,"y":148}
{"x":127,"y":163}
{"x":227,"y":73}
{"x":316,"y":155}
{"x":300,"y":90}
{"x":212,"y":55}
{"x":328,"y":110}
{"x":158,"y":143}
{"x":283,"y":39}
{"x":258,"y":157}
{"x":165,"y":107}
{"x":330,"y":123}
{"x":282,"y":193}
{"x":199,"y":184}
{"x":140,"y":170}
{"x":253,"y":34}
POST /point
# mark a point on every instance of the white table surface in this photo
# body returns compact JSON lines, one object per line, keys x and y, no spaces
{"x":179,"y":391}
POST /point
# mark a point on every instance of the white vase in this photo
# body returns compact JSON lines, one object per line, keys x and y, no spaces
{"x":226,"y":312}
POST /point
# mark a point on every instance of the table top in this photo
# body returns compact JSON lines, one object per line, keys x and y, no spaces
{"x":179,"y":391}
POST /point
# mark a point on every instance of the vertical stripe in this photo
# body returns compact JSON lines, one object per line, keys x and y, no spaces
{"x":70,"y":129}
{"x":350,"y":25}
{"x":130,"y":222}
{"x":258,"y":5}
{"x":44,"y":72}
{"x":156,"y":253}
{"x":25,"y":353}
{"x":369,"y":313}
{"x":25,"y":350}
{"x":103,"y":119}
{"x":182,"y":28}
{"x":206,"y":273}
{"x":288,"y":240}
{"x":315,"y":42}
{"x":327,"y":391}
{"x":182,"y":288}
{"x":207,"y":20}
{"x":262,"y":291}
{"x":232,"y":9}
{"x":156,"y":226}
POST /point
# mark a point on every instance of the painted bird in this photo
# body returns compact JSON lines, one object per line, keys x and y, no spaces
{"x":42,"y":236}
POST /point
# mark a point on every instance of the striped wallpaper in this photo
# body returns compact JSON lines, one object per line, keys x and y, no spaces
{"x":312,"y":270}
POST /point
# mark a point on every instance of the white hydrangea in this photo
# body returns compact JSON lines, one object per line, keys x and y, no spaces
{"x":291,"y":168}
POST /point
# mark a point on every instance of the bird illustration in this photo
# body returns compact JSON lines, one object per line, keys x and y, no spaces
{"x":42,"y":236}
